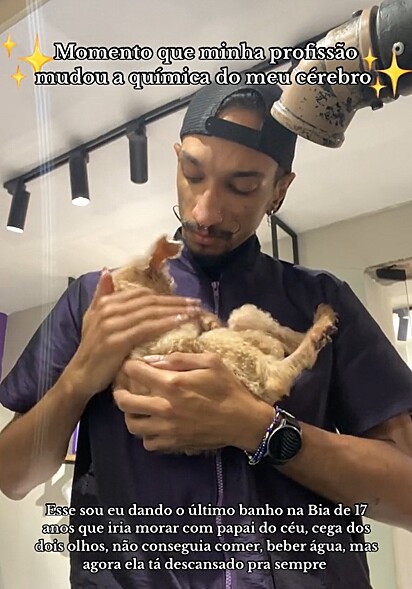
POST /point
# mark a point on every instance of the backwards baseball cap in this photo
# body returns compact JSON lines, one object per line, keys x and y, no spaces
{"x":272,"y":139}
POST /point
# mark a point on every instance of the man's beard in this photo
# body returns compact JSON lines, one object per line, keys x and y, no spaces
{"x":205,"y":259}
{"x":211,"y":261}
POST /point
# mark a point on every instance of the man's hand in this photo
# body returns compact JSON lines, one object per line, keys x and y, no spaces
{"x":192,"y":402}
{"x":117,"y":322}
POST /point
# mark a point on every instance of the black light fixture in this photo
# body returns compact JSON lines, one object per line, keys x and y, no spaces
{"x":138,"y":154}
{"x":391,"y":273}
{"x":18,"y":208}
{"x":135,"y":130}
{"x":78,"y":178}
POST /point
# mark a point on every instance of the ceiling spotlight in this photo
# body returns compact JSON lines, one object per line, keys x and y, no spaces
{"x":78,"y":178}
{"x":18,"y":208}
{"x":138,"y":155}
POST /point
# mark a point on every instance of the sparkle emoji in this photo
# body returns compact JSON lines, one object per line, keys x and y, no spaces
{"x":9,"y":44}
{"x":18,"y":76}
{"x":370,"y":59}
{"x":377,"y":86}
{"x":394,"y":72}
{"x":37,"y":59}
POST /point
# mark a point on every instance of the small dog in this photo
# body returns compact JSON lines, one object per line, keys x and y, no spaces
{"x":265,"y":356}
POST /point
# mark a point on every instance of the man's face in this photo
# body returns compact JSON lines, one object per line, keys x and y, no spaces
{"x":225,"y":189}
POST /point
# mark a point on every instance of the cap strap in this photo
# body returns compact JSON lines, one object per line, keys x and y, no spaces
{"x":234,"y":132}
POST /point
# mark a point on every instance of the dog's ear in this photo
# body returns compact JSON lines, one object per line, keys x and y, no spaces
{"x":163,"y":250}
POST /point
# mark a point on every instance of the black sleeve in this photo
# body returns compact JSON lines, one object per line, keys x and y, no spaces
{"x":49,"y":350}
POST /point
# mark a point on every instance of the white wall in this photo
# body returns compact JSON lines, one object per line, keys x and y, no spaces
{"x":346,"y":249}
{"x":380,"y":298}
{"x":21,"y":521}
{"x":349,"y":247}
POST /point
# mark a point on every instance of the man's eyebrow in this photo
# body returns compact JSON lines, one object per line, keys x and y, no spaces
{"x":248,"y":174}
{"x":190,"y":158}
{"x":239,"y":174}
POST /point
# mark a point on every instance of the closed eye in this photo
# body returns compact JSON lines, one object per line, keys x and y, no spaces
{"x":193,"y":179}
{"x":245,"y":191}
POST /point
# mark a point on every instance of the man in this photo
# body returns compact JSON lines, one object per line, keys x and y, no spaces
{"x":234,"y":166}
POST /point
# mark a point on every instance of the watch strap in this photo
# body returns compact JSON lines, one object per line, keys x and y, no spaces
{"x":285,"y":440}
{"x":261,"y":450}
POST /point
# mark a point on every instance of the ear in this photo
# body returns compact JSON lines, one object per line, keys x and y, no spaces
{"x":163,"y":250}
{"x":178,"y":148}
{"x":280,"y":191}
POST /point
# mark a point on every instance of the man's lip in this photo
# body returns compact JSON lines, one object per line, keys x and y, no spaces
{"x":203,"y":239}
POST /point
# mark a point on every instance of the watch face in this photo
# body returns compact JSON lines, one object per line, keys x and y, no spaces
{"x":284,"y":444}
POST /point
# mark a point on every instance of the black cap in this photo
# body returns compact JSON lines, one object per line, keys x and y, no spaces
{"x":272,"y":139}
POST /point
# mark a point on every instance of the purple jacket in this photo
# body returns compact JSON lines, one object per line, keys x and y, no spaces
{"x":358,"y":382}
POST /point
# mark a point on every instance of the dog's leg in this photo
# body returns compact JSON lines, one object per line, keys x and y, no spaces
{"x":175,"y":343}
{"x":181,"y":339}
{"x":250,"y":317}
{"x":263,"y":342}
{"x":282,"y":374}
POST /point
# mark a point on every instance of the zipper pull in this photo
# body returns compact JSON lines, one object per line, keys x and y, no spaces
{"x":215,"y":290}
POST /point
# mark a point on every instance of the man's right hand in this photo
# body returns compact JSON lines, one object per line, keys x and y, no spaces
{"x":117,"y":322}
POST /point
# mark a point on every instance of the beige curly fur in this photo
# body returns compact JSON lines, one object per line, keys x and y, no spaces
{"x":264,"y":355}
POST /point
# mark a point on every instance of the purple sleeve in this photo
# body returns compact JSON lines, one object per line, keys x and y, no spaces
{"x":372,"y":383}
{"x":49,"y":350}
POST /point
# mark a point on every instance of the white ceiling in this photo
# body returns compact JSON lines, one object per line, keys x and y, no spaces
{"x":370,"y":172}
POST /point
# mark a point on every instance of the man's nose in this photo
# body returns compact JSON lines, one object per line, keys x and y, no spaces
{"x":208,"y":208}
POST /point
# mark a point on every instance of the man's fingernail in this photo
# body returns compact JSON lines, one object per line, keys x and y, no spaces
{"x":153,"y":359}
{"x":182,"y":317}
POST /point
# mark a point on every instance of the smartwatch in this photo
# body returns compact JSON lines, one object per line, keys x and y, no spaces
{"x":285,"y":440}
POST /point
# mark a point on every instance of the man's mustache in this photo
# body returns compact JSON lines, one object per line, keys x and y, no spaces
{"x":210,"y":231}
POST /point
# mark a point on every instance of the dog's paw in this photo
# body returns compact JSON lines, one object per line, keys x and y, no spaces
{"x":326,"y":314}
{"x":209,"y":321}
{"x":324,"y":326}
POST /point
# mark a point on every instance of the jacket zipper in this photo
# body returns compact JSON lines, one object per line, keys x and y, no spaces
{"x":219,"y":465}
{"x":216,"y":302}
